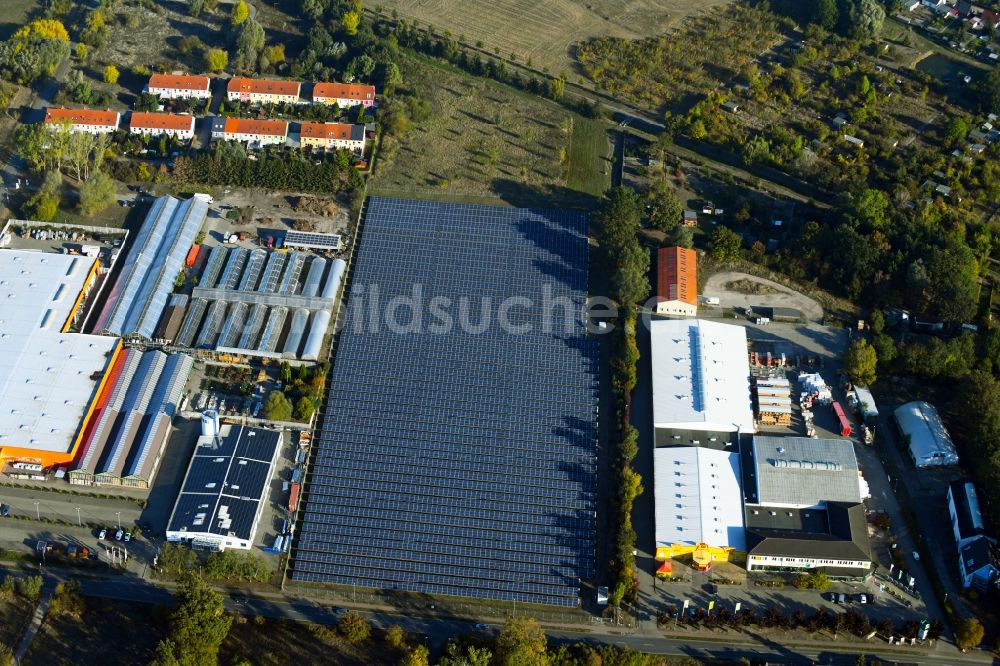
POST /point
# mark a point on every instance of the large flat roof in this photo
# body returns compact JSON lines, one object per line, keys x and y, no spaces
{"x":804,"y":472}
{"x":47,"y":377}
{"x":460,"y":459}
{"x":698,"y":497}
{"x":701,"y":376}
{"x":225,"y":485}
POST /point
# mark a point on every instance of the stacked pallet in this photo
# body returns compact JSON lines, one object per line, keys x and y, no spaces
{"x":774,"y":401}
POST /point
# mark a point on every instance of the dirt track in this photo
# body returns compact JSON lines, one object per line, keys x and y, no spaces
{"x":784,"y":298}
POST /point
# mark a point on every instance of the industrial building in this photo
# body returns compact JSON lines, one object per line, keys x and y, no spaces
{"x":977,"y":563}
{"x":50,"y":378}
{"x":701,"y":382}
{"x":803,"y":507}
{"x":930,"y":444}
{"x":226,"y":487}
{"x":698,"y":501}
{"x":459,"y":461}
{"x":125,"y":438}
{"x":803,"y":473}
{"x":261,"y":303}
{"x":677,"y":282}
{"x":136,"y":302}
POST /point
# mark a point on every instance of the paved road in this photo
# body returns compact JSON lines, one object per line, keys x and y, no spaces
{"x":439,"y":629}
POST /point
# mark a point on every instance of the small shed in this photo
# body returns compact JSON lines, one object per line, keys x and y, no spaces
{"x":731,"y":107}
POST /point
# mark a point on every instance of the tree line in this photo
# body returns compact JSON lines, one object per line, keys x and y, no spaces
{"x":616,"y":225}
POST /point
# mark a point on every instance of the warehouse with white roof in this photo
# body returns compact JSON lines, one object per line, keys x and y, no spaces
{"x":701,"y":380}
{"x":49,"y":377}
{"x":698,"y":500}
{"x":803,"y":473}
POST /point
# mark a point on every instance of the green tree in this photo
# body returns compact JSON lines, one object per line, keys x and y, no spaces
{"x":521,"y":643}
{"x":240,"y":13}
{"x":684,"y":237}
{"x":196,"y":7}
{"x":665,"y":209}
{"x":969,"y":633}
{"x":97,"y":193}
{"x":354,"y":628}
{"x":418,"y":656}
{"x":456,"y":655}
{"x":198,"y":625}
{"x":860,"y":362}
{"x":724,"y":244}
{"x":277,"y":407}
{"x":865,"y":19}
{"x":989,"y":90}
{"x":304,"y":409}
{"x":250,"y":39}
{"x":111,"y":74}
{"x":956,"y":129}
{"x":29,"y":587}
{"x":395,"y":637}
{"x":826,"y":14}
{"x":885,"y":349}
{"x":216,"y":59}
{"x":350,"y":22}
{"x":44,"y":204}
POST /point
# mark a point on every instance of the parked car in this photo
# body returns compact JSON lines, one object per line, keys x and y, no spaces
{"x":342,"y":611}
{"x":711,"y":588}
{"x":4,"y":510}
{"x":862,"y":599}
{"x":482,"y":626}
{"x":119,"y":534}
{"x":127,"y":536}
{"x":103,"y":534}
{"x":916,"y":556}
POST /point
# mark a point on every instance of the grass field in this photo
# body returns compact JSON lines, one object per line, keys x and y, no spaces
{"x":15,"y":14}
{"x":546,"y":31}
{"x":109,"y":633}
{"x":266,"y":642}
{"x":14,"y":617}
{"x":486,"y":141}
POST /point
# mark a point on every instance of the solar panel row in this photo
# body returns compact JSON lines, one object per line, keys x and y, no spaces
{"x":459,"y":462}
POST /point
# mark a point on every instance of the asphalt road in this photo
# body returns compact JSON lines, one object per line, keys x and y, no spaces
{"x":32,"y":503}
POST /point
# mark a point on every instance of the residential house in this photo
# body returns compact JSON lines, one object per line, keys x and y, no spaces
{"x":344,"y":95}
{"x":180,"y":126}
{"x":263,"y":91}
{"x":85,"y":120}
{"x":976,"y":563}
{"x":677,"y":282}
{"x":333,"y":136}
{"x":172,"y":86}
{"x":260,"y":132}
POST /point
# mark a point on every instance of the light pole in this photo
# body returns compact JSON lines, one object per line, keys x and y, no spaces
{"x":38,"y":514}
{"x":78,"y":518}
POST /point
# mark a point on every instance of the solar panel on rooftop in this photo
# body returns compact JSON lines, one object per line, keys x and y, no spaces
{"x":473,"y":455}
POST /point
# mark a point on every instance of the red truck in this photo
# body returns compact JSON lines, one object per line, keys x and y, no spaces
{"x":293,"y":497}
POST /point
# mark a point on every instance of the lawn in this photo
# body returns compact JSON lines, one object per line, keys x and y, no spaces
{"x":546,"y":33}
{"x":486,"y":141}
{"x":110,"y":633}
{"x":16,"y":14}
{"x":267,"y":642}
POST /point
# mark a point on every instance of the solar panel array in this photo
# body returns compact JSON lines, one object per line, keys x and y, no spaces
{"x":460,"y":462}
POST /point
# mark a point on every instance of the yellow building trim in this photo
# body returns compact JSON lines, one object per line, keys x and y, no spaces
{"x":91,"y":276}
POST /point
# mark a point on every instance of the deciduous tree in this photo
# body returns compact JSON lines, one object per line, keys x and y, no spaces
{"x":240,"y":13}
{"x":216,"y":60}
{"x":97,"y":193}
{"x":111,"y":74}
{"x":860,"y":362}
{"x":350,"y":22}
{"x":521,"y":643}
{"x":198,"y":625}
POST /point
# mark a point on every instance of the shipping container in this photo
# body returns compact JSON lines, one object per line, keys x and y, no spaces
{"x":297,"y":475}
{"x":192,"y":256}
{"x":293,"y":498}
{"x":845,"y":424}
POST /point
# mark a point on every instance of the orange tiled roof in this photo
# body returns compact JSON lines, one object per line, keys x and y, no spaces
{"x":326,"y":131}
{"x":82,"y":116}
{"x":163,"y":121}
{"x":263,"y":86}
{"x":179,"y":82}
{"x":358,"y":91}
{"x":677,"y":275}
{"x":250,"y":126}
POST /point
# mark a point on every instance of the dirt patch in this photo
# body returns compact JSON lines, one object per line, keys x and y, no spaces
{"x":778,"y":296}
{"x":750,"y":287}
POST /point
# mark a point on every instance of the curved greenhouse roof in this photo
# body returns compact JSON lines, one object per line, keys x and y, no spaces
{"x":929,"y":442}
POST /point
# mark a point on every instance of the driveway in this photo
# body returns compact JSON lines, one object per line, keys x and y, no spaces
{"x":779,"y":296}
